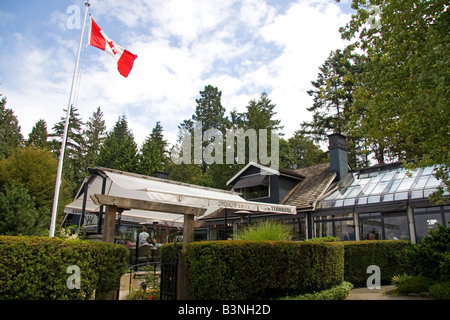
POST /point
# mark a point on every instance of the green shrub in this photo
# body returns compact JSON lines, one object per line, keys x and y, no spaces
{"x":35,"y":268}
{"x":323,"y":239}
{"x":337,"y":292}
{"x":440,"y":291}
{"x":260,"y":269}
{"x":389,"y":255}
{"x":266,"y":230}
{"x":400,"y":278}
{"x":430,"y":257}
{"x":416,"y":284}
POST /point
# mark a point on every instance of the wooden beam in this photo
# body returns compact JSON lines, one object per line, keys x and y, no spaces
{"x":147,"y":205}
{"x":110,"y":224}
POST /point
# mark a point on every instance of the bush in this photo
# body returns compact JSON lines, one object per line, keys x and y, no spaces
{"x":389,"y":255}
{"x":260,"y":269}
{"x":337,"y":292}
{"x":415,"y":284}
{"x":430,"y":257}
{"x":440,"y":291}
{"x":266,"y":230}
{"x":35,"y":268}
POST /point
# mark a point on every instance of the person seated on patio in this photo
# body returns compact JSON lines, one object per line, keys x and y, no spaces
{"x":143,"y":236}
{"x":148,"y":243}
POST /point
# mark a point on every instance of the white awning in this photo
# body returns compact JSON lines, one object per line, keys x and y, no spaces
{"x":138,"y":187}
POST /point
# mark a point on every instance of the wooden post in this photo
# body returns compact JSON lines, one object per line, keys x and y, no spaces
{"x":188,"y":236}
{"x":110,"y":224}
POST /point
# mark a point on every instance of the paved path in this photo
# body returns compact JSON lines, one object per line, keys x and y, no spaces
{"x":379,"y":294}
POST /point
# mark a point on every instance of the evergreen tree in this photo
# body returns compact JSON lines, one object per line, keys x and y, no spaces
{"x":332,"y":100}
{"x":10,"y":136}
{"x":34,"y":169}
{"x":38,"y":135}
{"x":95,"y":134}
{"x":153,"y":153}
{"x":18,"y":214}
{"x":304,"y":152}
{"x":73,"y":170}
{"x":119,"y":150}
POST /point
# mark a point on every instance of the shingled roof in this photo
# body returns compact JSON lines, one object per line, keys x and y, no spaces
{"x":317,"y":181}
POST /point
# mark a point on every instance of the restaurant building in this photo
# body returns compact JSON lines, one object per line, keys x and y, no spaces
{"x":379,"y":202}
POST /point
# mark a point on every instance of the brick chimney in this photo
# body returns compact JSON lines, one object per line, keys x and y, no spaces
{"x":338,"y":155}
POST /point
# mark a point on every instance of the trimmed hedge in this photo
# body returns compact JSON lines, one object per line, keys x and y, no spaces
{"x":337,"y":292}
{"x":245,"y":270}
{"x":389,"y":255}
{"x":35,"y":268}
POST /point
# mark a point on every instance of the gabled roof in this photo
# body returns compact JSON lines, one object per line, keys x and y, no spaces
{"x":305,"y":195}
{"x":268,"y":170}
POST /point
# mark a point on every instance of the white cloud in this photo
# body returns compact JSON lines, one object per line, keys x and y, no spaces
{"x":241,"y":47}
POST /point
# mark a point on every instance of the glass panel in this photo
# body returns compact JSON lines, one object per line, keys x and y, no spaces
{"x":338,"y":203}
{"x":388,"y":197}
{"x":370,"y":226}
{"x":362,"y":200}
{"x":380,"y":187}
{"x":396,"y":226}
{"x":405,"y":184}
{"x":401,"y":196}
{"x":425,"y":222}
{"x":416,"y":194}
{"x":421,"y":182}
{"x":374,"y":199}
{"x":433,"y":182}
{"x":394,"y":186}
{"x":349,"y":202}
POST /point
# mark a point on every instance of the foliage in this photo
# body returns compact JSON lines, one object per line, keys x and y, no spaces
{"x":323,"y":239}
{"x":401,"y":97}
{"x":18,"y":214}
{"x":95,"y":134}
{"x":333,"y":97}
{"x":415,"y":284}
{"x":153,"y":153}
{"x":300,"y":151}
{"x":440,"y":291}
{"x":337,"y":292}
{"x":10,"y":136}
{"x":141,"y":294}
{"x":260,"y":269}
{"x":430,"y":257}
{"x":119,"y":150}
{"x":74,"y":154}
{"x":35,"y":170}
{"x":38,"y":135}
{"x":389,"y":255}
{"x":35,"y":268}
{"x":400,"y":278}
{"x":265,"y":230}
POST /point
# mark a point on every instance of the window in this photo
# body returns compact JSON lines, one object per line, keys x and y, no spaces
{"x":384,"y":226}
{"x":255,"y":192}
{"x":426,"y":219}
{"x":341,"y":227}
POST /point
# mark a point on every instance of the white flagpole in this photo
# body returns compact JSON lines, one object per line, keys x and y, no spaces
{"x":66,"y":127}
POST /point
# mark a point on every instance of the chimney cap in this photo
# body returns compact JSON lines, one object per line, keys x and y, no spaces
{"x":337,"y":140}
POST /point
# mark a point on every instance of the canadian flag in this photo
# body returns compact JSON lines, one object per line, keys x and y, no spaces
{"x":123,"y":57}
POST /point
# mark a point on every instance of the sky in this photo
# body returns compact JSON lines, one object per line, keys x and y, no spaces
{"x":241,"y":47}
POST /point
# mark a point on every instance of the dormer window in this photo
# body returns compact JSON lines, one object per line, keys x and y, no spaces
{"x":253,"y":186}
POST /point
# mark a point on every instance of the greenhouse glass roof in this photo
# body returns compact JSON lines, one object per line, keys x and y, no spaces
{"x":383,"y":186}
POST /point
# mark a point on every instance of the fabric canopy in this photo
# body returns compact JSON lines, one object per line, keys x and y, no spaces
{"x":138,"y":187}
